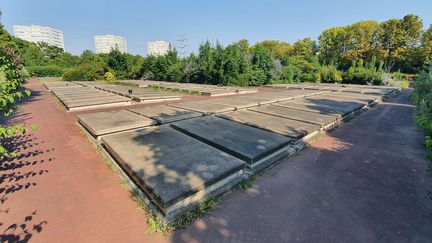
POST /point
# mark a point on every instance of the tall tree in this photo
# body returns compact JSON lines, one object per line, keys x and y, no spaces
{"x":426,"y":46}
{"x":304,"y":48}
{"x":332,"y":45}
{"x":278,"y":49}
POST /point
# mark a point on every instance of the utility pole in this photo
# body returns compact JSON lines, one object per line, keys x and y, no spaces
{"x":182,"y":46}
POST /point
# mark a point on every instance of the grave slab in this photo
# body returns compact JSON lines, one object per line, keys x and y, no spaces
{"x":239,"y":102}
{"x":94,"y":100}
{"x":299,"y":115}
{"x":169,"y":165}
{"x":204,"y":107}
{"x":101,"y":123}
{"x":322,"y":105}
{"x":288,"y":127}
{"x":364,"y":99}
{"x":165,"y":114}
{"x":244,"y":142}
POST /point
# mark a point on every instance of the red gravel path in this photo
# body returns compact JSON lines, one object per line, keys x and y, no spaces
{"x":64,"y":192}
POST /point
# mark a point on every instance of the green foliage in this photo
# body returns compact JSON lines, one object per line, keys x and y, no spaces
{"x":85,"y":72}
{"x":422,"y":97}
{"x":117,"y":62}
{"x":301,"y":69}
{"x":46,"y":71}
{"x":247,"y":183}
{"x":329,"y":74}
{"x":109,"y":76}
{"x":155,"y":224}
{"x":398,"y":43}
{"x":278,"y":49}
{"x":263,"y":65}
{"x":11,"y":79}
{"x":360,"y":73}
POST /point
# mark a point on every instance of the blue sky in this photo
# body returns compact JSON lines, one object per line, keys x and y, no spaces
{"x":222,"y":20}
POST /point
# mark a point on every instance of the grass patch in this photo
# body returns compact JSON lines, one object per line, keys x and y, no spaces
{"x":157,"y":225}
{"x":247,"y":183}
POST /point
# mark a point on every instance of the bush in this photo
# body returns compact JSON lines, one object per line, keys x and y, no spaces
{"x":329,"y":74}
{"x":109,"y":76}
{"x":85,"y":72}
{"x":359,"y":74}
{"x":422,"y":97}
{"x":45,"y":71}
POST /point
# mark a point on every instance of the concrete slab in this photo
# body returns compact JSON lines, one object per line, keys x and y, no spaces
{"x":239,"y":102}
{"x":165,"y":114}
{"x":94,"y":99}
{"x":304,"y":116}
{"x":205,"y":107}
{"x":362,"y":98}
{"x":95,"y":103}
{"x":83,"y":96}
{"x":102,"y":123}
{"x":322,"y":105}
{"x":288,"y":127}
{"x":217,"y":92}
{"x":169,"y":165}
{"x":244,"y":142}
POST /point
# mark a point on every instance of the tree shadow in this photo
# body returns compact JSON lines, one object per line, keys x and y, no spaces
{"x":22,"y":231}
{"x":17,"y":175}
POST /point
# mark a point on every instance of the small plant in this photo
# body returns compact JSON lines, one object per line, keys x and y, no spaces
{"x":157,"y":225}
{"x":109,"y":76}
{"x":247,"y":183}
{"x":405,"y":84}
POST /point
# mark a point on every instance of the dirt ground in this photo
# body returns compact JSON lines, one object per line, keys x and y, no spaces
{"x":366,"y":181}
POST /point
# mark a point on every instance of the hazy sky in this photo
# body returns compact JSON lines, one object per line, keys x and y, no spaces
{"x":223,"y":20}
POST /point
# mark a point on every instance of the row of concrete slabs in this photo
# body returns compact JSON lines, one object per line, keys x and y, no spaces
{"x":179,"y":154}
{"x":363,"y":89}
{"x":179,"y":164}
{"x":76,"y":97}
{"x":138,"y":94}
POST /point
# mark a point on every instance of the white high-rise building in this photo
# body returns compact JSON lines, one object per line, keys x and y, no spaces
{"x":36,"y":33}
{"x":156,"y":48}
{"x":106,"y":43}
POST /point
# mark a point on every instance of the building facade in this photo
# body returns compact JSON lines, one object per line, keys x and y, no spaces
{"x":157,"y":48}
{"x":36,"y":33}
{"x":106,"y":43}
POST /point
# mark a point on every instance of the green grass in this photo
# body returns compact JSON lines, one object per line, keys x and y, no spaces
{"x":247,"y":183}
{"x":155,"y":224}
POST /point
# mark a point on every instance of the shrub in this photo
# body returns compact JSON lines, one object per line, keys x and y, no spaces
{"x":359,"y":74}
{"x":329,"y":74}
{"x":85,"y":72}
{"x":45,"y":71}
{"x":422,"y":97}
{"x":109,"y":76}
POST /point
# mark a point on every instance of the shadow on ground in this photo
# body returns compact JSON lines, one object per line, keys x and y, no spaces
{"x":18,"y":175}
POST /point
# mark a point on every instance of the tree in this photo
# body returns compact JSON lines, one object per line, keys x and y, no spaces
{"x":278,"y":49}
{"x":397,"y":38}
{"x":426,"y":46}
{"x":262,"y":60}
{"x":117,"y":61}
{"x":304,"y":48}
{"x":332,"y":45}
{"x":244,"y":45}
{"x":49,"y":51}
{"x":361,"y":42}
